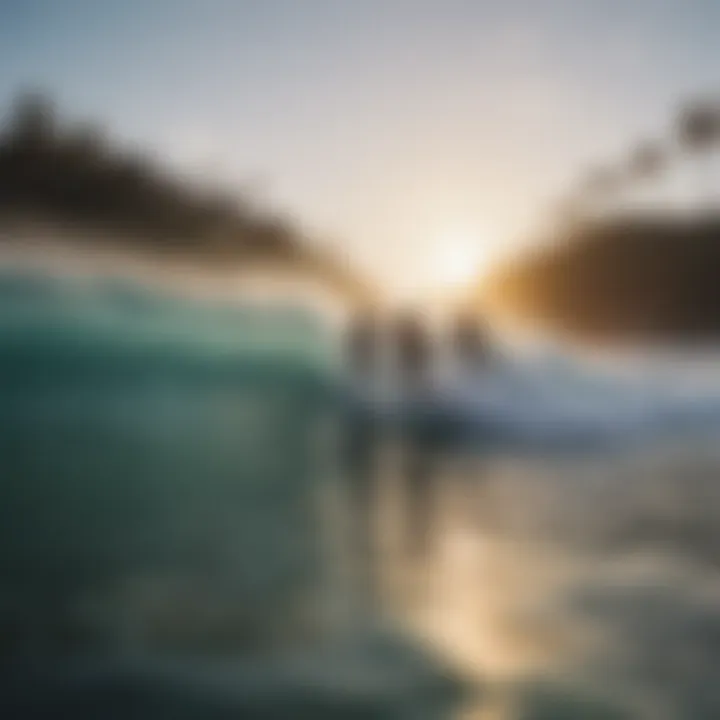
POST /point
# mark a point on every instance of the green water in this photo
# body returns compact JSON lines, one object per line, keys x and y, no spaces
{"x":150,"y":442}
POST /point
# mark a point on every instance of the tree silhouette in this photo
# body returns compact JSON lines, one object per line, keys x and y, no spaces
{"x":698,"y":128}
{"x":631,"y":279}
{"x":32,"y":119}
{"x":73,"y":174}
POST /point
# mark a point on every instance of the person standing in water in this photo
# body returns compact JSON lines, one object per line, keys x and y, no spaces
{"x":362,"y":346}
{"x":470,"y":344}
{"x":414,"y":355}
{"x":414,"y":365}
{"x":363,"y":341}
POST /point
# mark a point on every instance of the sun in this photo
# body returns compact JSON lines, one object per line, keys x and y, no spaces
{"x":458,"y":259}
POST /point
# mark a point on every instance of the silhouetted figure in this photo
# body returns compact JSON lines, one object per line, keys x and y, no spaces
{"x":414,"y":353}
{"x":363,"y":349}
{"x":363,"y":346}
{"x":470,"y":343}
{"x":414,"y":359}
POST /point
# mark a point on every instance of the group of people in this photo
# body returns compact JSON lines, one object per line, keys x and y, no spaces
{"x":414,"y":346}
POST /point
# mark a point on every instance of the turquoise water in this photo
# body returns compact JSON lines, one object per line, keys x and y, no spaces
{"x":57,"y":319}
{"x":151,"y":441}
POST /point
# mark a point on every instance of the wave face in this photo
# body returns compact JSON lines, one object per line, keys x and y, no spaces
{"x":139,"y":438}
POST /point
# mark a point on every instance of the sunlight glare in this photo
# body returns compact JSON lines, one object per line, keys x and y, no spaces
{"x":459,"y":259}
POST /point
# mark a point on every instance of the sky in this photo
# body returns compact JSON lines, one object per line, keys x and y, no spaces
{"x":413,"y":136}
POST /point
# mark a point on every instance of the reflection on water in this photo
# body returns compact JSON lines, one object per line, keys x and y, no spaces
{"x":578,"y":585}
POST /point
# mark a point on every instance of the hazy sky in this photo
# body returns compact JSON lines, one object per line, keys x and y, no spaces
{"x":388,"y":125}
